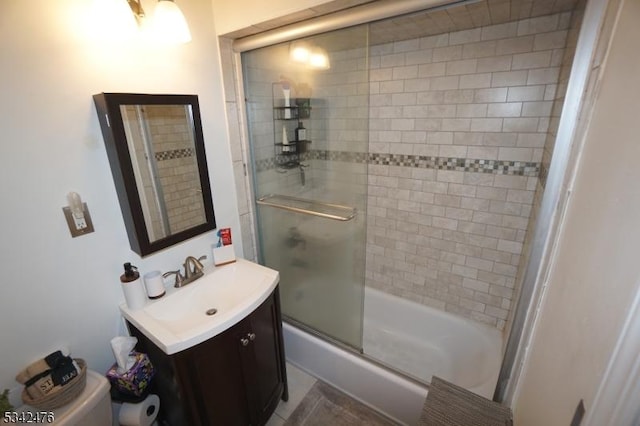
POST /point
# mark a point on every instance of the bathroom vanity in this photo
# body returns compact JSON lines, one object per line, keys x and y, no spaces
{"x":233,"y":376}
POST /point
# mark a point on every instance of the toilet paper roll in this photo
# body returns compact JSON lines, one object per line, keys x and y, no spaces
{"x":140,"y":414}
{"x":154,"y":283}
{"x":134,"y":294}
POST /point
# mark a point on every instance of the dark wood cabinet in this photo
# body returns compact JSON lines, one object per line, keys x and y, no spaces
{"x":235,"y":378}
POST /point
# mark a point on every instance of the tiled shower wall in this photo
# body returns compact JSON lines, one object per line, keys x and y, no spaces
{"x":563,"y":81}
{"x":458,"y":123}
{"x":550,"y":141}
{"x":457,"y":127}
{"x":233,"y":105}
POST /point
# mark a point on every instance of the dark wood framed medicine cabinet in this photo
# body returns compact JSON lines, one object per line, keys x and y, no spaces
{"x":156,"y":151}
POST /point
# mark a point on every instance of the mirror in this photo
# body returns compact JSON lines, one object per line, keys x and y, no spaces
{"x":156,"y":152}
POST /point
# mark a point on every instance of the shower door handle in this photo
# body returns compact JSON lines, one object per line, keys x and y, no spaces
{"x":310,"y":207}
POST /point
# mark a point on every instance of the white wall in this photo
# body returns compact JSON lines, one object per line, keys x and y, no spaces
{"x":596,"y":270}
{"x":233,"y":15}
{"x":57,"y":290}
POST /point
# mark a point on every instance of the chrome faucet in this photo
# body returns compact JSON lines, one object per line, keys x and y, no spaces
{"x":193,"y":269}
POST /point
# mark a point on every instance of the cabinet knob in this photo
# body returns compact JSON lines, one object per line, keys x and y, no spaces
{"x":244,"y":341}
{"x":251,"y":336}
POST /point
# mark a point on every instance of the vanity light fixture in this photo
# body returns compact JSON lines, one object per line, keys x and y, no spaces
{"x":169,"y":23}
{"x":136,"y":8}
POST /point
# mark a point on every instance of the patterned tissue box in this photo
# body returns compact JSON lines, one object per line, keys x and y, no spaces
{"x":135,"y":380}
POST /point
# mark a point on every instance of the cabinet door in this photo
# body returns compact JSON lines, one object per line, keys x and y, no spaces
{"x":261,"y":357}
{"x":216,"y":368}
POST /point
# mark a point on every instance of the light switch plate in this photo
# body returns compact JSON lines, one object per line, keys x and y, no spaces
{"x":75,"y":232}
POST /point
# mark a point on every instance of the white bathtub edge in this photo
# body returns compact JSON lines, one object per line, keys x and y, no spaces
{"x":397,"y":398}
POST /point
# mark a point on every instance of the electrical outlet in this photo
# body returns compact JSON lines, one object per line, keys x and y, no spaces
{"x":578,"y":414}
{"x":78,"y":226}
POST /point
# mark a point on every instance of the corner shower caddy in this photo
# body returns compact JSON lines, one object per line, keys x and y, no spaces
{"x":288,"y":156}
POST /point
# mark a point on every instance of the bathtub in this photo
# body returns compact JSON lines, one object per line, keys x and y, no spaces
{"x":420,"y":340}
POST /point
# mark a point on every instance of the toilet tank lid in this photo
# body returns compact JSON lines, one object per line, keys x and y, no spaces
{"x":96,"y":388}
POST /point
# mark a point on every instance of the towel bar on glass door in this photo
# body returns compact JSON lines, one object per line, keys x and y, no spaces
{"x":310,"y":207}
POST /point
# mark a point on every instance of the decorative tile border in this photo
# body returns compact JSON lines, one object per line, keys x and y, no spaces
{"x":515,"y":168}
{"x":265,"y":164}
{"x":347,"y":156}
{"x":174,"y":153}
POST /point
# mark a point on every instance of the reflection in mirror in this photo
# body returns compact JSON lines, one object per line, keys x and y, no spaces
{"x":162,"y":149}
{"x":156,"y":151}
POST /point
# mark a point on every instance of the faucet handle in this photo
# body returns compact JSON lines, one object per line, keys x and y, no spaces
{"x":197,"y":269}
{"x":198,"y":264}
{"x":179,"y":277}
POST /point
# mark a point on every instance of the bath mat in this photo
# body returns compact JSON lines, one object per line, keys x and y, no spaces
{"x":451,"y":405}
{"x":324,"y":405}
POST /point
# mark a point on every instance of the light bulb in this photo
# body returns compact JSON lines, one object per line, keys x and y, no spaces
{"x":169,"y":23}
{"x":111,"y":21}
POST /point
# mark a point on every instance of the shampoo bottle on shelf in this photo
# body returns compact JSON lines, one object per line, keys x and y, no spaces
{"x":286,"y":92}
{"x":301,"y":132}
{"x":285,"y":140}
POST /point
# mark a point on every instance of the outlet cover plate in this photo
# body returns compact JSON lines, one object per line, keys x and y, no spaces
{"x":75,"y":232}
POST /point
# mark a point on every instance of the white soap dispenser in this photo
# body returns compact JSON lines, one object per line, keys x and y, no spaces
{"x":132,"y":287}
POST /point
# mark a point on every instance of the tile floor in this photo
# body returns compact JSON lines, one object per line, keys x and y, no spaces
{"x":300,"y":383}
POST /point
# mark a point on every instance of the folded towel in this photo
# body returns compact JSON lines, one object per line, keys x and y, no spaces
{"x":54,"y":371}
{"x":47,"y":363}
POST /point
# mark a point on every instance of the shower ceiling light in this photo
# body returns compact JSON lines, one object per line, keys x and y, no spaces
{"x":319,"y":59}
{"x":301,"y":52}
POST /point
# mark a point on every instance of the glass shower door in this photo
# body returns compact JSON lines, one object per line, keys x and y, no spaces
{"x":308,"y":125}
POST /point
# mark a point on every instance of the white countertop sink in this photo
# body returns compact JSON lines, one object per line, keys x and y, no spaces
{"x":179,"y":320}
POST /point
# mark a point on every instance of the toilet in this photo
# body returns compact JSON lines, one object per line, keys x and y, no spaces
{"x":91,"y":408}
